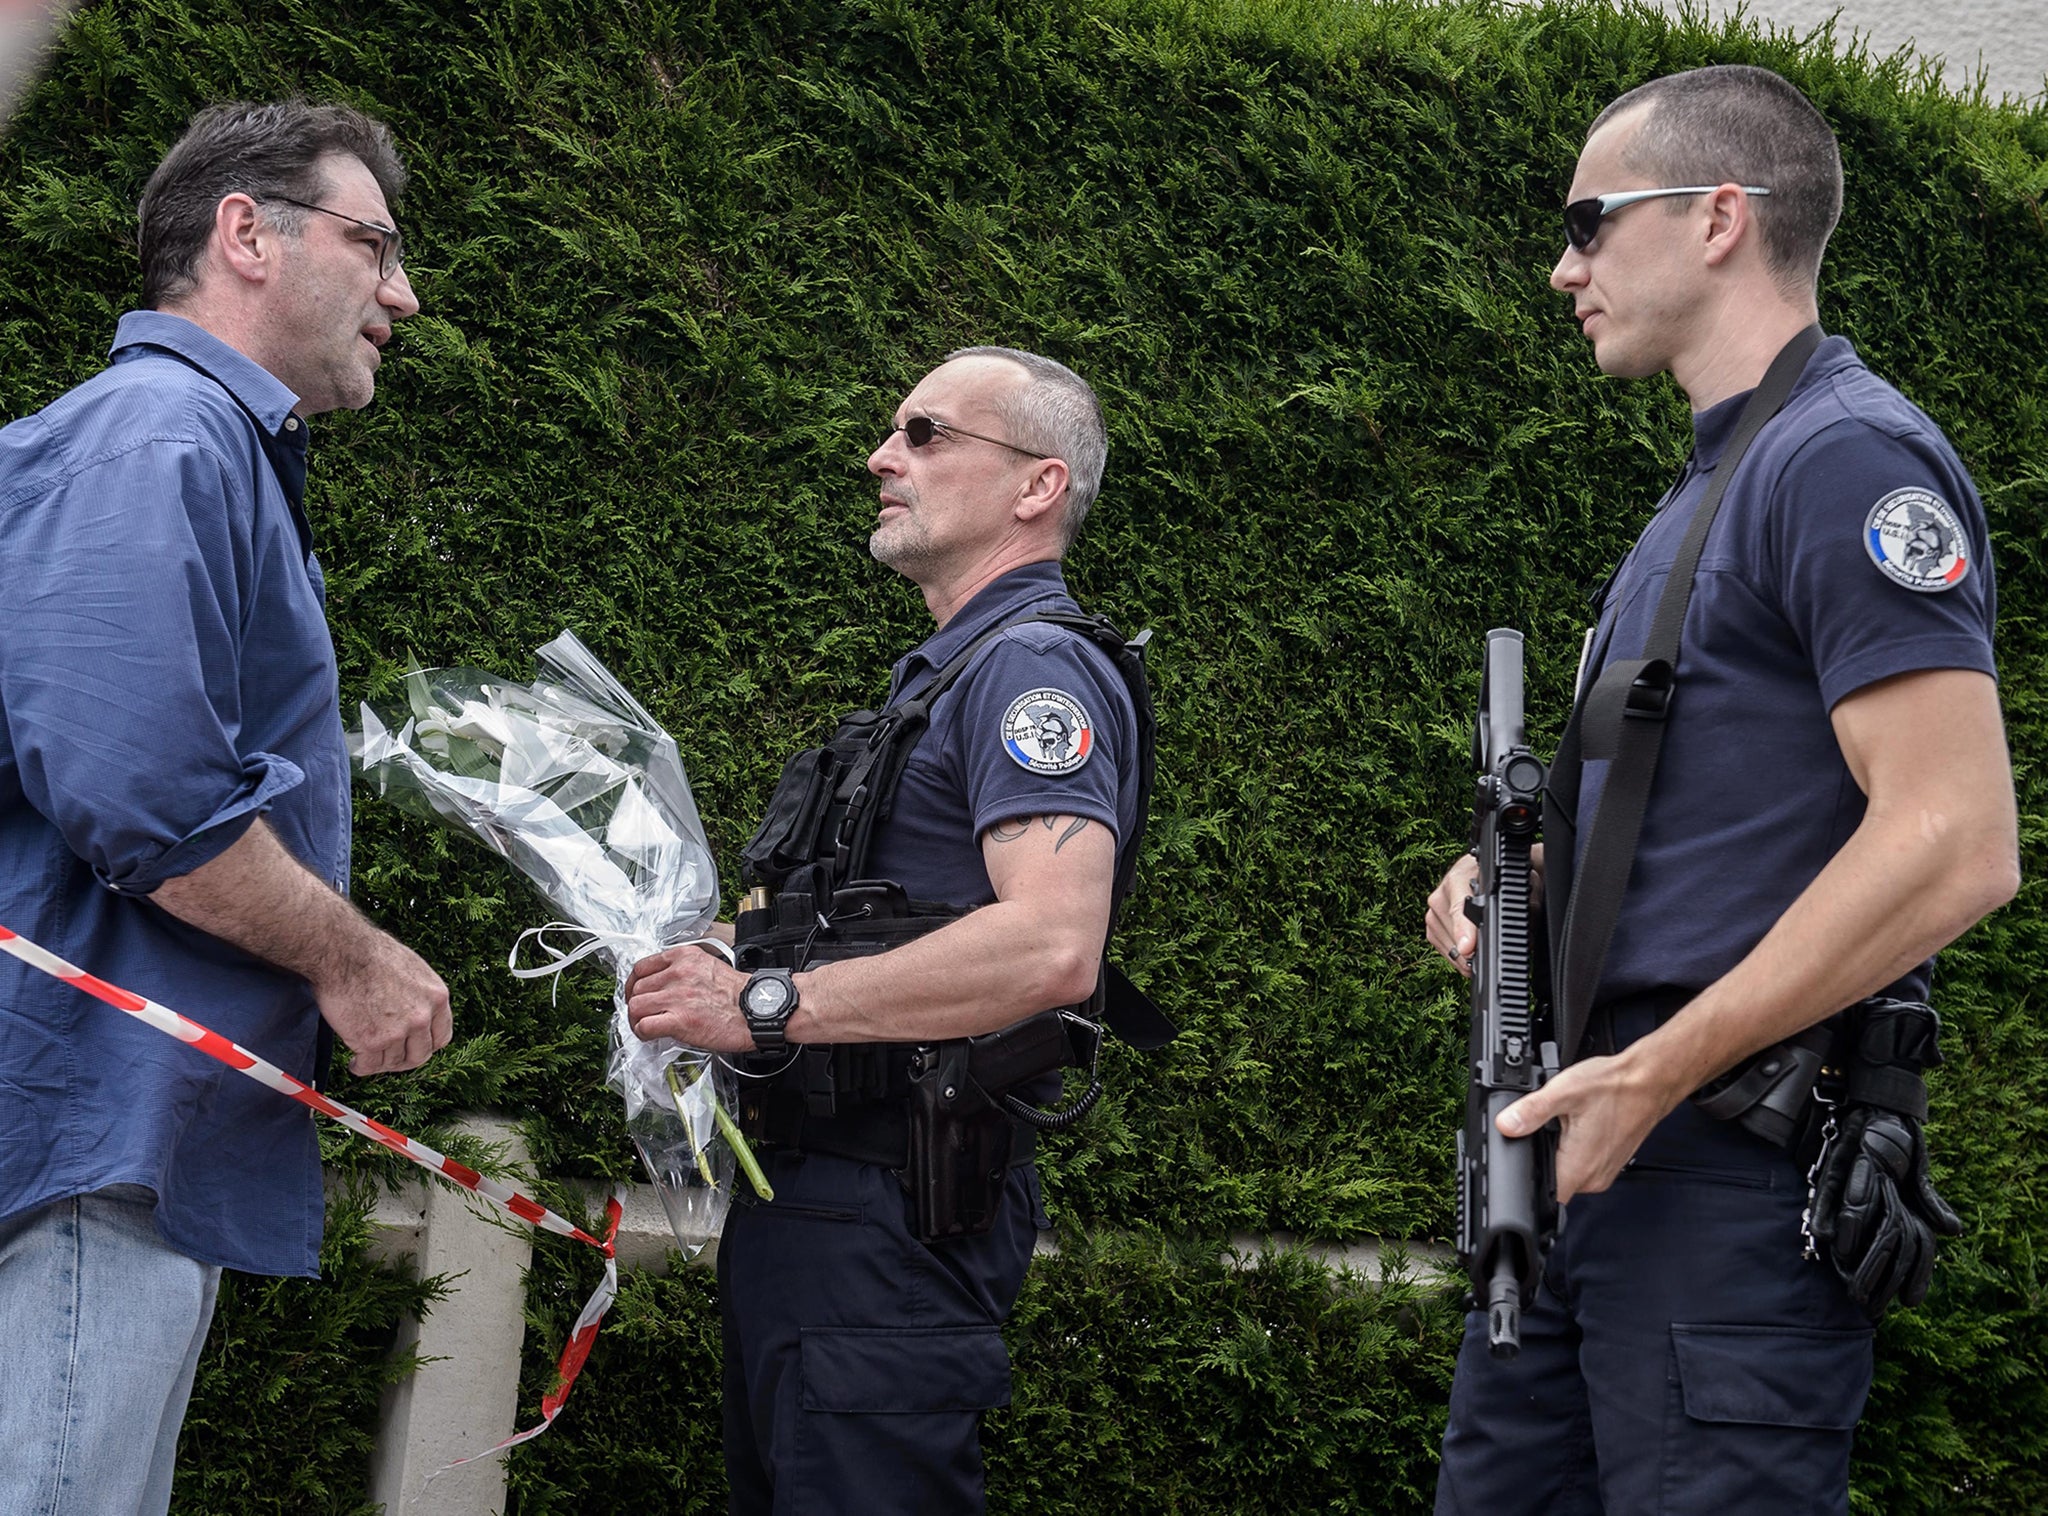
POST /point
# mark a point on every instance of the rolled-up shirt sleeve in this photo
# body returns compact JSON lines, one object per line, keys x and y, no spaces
{"x":122,"y":618}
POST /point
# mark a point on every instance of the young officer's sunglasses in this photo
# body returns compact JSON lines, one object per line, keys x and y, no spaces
{"x":1582,"y":218}
{"x":918,"y":431}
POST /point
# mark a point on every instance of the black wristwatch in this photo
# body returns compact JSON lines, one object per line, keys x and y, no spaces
{"x":767,"y":1002}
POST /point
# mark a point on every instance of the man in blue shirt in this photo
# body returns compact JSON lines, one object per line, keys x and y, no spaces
{"x":174,"y":800}
{"x":859,"y":1356}
{"x":1834,"y":804}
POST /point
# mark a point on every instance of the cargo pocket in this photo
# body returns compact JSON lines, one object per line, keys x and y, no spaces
{"x":1761,"y":1418}
{"x":889,"y":1420}
{"x":894,"y":1370}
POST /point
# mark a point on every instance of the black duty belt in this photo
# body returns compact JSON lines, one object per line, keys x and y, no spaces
{"x":878,"y":1134}
{"x":1654,"y":1006}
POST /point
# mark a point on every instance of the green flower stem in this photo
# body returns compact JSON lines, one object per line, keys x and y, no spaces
{"x":675,"y":1090}
{"x":749,"y":1164}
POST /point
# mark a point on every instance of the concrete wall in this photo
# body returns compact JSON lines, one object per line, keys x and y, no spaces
{"x":2008,"y":37}
{"x":463,"y":1399}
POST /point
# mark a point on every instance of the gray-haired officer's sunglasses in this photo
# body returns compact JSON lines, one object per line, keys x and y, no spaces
{"x":1582,"y":218}
{"x":918,"y":431}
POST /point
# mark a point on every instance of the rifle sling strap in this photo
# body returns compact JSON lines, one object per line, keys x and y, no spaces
{"x":1622,"y":717}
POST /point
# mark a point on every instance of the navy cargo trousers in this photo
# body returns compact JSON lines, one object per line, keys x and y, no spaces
{"x":859,"y":1360}
{"x":1681,"y":1356}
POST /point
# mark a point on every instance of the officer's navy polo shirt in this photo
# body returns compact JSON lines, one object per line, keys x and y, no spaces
{"x":166,"y":676}
{"x":1850,"y":546}
{"x":1040,"y":723}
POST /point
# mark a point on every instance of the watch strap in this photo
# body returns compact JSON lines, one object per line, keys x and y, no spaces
{"x":768,"y":1028}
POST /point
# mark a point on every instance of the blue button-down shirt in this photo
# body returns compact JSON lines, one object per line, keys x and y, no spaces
{"x":166,"y":675}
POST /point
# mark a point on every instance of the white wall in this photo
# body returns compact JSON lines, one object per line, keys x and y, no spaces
{"x":2009,"y":37}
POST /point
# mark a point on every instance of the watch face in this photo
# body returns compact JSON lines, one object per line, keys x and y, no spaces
{"x":766,"y":996}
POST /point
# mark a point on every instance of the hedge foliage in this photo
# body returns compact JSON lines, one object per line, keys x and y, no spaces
{"x":678,"y":263}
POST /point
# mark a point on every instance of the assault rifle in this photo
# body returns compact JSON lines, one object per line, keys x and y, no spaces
{"x":1507,"y":1186}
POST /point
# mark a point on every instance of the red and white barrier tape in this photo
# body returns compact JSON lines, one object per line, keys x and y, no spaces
{"x":574,"y":1351}
{"x":237,"y":1057}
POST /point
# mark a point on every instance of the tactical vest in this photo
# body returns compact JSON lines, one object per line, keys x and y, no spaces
{"x":810,"y":900}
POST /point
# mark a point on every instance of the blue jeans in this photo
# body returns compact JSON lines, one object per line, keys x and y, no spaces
{"x":102,"y":1324}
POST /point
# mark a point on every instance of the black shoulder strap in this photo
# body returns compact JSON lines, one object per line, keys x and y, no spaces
{"x":1622,"y":718}
{"x":869,"y":789}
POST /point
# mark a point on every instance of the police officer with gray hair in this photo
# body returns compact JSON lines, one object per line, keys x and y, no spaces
{"x":1806,"y":621}
{"x":928,"y":900}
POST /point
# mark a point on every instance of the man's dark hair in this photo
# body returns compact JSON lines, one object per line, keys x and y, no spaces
{"x":1735,"y":123}
{"x":261,"y":151}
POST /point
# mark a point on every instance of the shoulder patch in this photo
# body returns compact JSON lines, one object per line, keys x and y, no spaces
{"x":1048,"y":732}
{"x":1916,"y":539}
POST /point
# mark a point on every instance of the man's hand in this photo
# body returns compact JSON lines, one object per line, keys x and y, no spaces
{"x":1605,"y":1107}
{"x":1449,"y":929}
{"x":382,"y":1000}
{"x":692,"y":995}
{"x":389,"y":1008}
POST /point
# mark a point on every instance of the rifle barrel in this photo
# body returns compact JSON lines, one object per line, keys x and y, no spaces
{"x":1504,"y":1309}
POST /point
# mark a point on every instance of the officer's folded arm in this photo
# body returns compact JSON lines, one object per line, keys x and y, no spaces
{"x":1936,"y":851}
{"x":1037,"y":946}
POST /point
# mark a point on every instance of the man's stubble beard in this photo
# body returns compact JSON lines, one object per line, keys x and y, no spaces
{"x":326,"y":374}
{"x":902,"y":545}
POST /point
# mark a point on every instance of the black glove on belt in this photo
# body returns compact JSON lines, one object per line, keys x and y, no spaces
{"x":1872,"y":1205}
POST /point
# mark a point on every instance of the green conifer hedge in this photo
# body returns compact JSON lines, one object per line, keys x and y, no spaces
{"x":678,"y":263}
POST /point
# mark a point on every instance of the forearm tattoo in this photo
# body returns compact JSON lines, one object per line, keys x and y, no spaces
{"x":1010,"y":831}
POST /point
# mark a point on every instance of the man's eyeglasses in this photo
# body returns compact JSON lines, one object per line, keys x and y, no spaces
{"x":1582,"y":218}
{"x":390,"y":241}
{"x":918,"y":431}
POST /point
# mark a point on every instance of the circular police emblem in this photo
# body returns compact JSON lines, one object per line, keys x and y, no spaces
{"x":1917,"y":540}
{"x":1048,"y":732}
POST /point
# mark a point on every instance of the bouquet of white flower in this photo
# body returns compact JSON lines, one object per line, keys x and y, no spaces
{"x":578,"y":787}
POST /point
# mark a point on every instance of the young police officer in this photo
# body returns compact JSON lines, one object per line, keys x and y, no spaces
{"x":1833,"y":804}
{"x":862,"y":1315}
